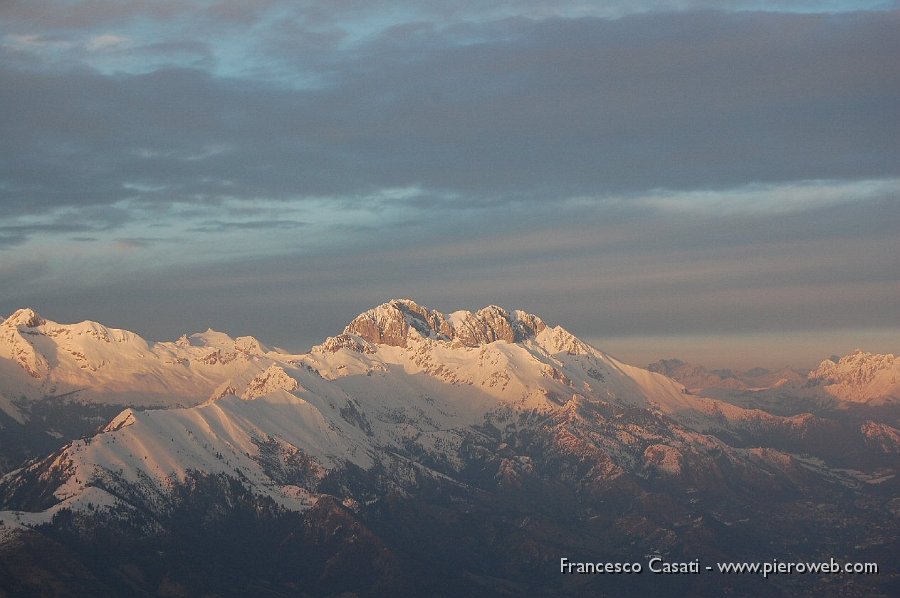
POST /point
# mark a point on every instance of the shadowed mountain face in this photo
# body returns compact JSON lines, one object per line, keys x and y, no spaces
{"x":423,"y":453}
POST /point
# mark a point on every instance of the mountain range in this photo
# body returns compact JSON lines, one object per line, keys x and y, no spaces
{"x":857,"y":380}
{"x":427,"y":453}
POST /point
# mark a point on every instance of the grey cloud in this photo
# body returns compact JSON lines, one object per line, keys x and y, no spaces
{"x":553,"y":109}
{"x":138,"y":242}
{"x":67,"y":220}
{"x":218,"y":226}
{"x":471,"y":163}
{"x":185,"y":52}
{"x":11,"y":239}
{"x":88,"y":14}
{"x":16,"y":234}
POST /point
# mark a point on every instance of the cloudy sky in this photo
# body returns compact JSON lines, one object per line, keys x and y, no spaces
{"x":715,"y":180}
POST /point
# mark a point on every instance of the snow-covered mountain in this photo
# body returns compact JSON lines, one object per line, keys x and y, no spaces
{"x":92,"y":363}
{"x":860,"y":377}
{"x":402,"y":386}
{"x":409,"y":402}
{"x":857,"y":380}
{"x":59,"y":382}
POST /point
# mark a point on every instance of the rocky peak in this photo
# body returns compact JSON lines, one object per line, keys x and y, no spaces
{"x":494,"y":323}
{"x":391,"y":324}
{"x":26,"y":318}
{"x":857,"y":368}
{"x":268,"y":381}
{"x":123,"y":419}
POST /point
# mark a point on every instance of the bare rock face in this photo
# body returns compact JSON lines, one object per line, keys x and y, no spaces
{"x":527,"y":325}
{"x":393,"y":322}
{"x":427,"y":322}
{"x":333,"y":344}
{"x":487,"y":325}
{"x":387,"y":324}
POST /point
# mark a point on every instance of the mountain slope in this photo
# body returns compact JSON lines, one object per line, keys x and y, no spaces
{"x":62,"y":381}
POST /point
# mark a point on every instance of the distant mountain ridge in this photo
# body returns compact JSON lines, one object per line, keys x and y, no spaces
{"x":697,"y":377}
{"x":857,"y":378}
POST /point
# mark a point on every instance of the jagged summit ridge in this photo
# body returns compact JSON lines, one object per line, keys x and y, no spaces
{"x":392,"y":323}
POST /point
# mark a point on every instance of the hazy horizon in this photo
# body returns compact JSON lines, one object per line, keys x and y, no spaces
{"x":713,"y":181}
